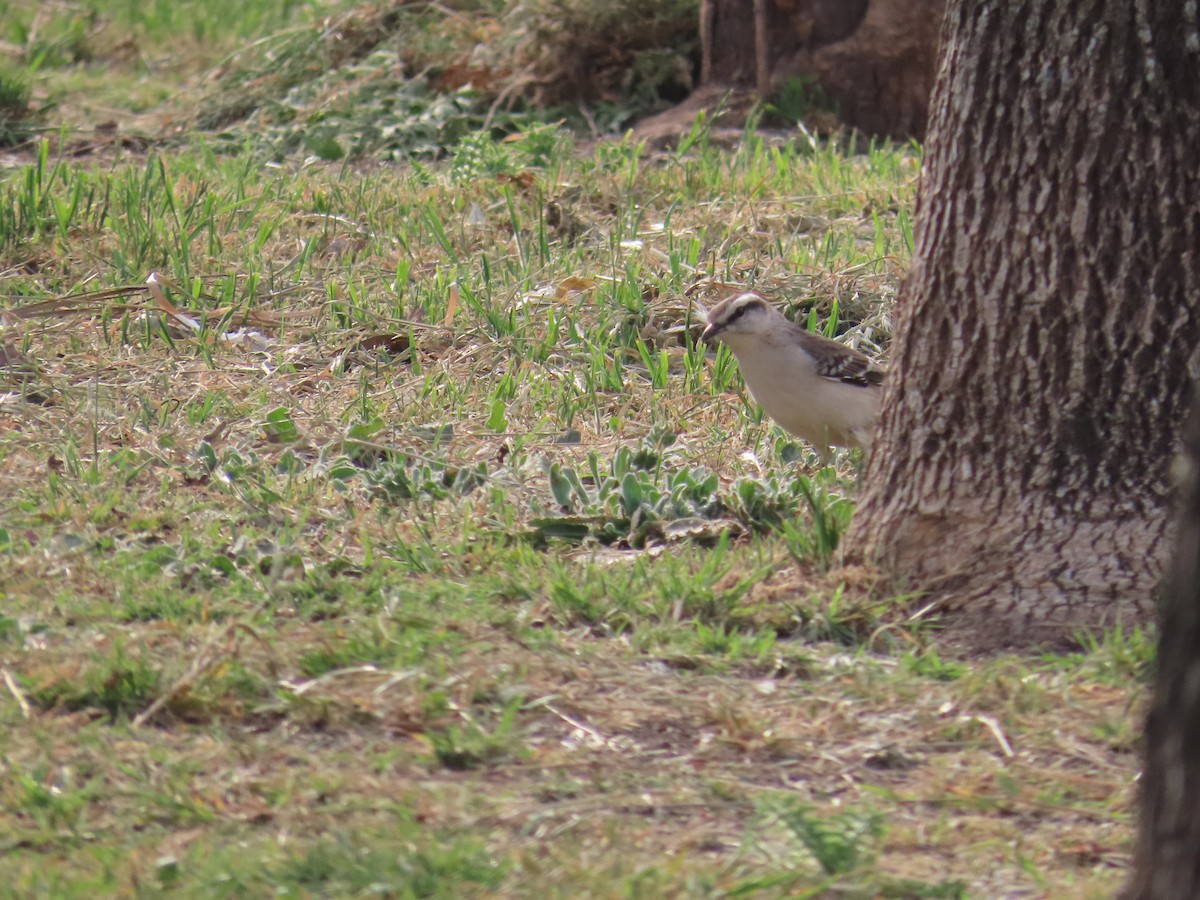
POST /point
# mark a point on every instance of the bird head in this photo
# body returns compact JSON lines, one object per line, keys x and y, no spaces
{"x":741,"y":315}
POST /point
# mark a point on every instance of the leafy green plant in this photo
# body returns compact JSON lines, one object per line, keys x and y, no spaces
{"x":472,"y":745}
{"x":930,"y":664}
{"x":30,"y":205}
{"x":840,"y":843}
{"x":634,"y":498}
{"x":377,"y":645}
{"x":410,"y":478}
{"x":119,"y":684}
{"x":43,"y":798}
{"x":366,"y":106}
{"x":829,"y":516}
{"x":733,"y":644}
{"x":478,"y":154}
{"x":797,"y":97}
{"x":16,"y":116}
{"x":1120,"y":653}
{"x":643,"y":492}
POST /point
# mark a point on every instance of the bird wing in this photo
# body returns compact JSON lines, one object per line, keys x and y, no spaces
{"x":852,"y":370}
{"x":841,"y":363}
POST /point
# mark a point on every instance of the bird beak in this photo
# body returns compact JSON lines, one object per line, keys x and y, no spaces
{"x":709,"y":335}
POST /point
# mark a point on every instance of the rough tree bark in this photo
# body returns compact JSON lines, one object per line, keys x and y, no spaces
{"x":874,"y":58}
{"x":1167,"y":862}
{"x":1048,"y":324}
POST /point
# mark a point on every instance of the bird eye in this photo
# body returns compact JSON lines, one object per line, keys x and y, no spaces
{"x":738,"y":313}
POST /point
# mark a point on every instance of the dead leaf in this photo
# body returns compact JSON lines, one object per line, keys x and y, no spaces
{"x":573,"y":284}
{"x":154,"y":286}
{"x":452,"y":306}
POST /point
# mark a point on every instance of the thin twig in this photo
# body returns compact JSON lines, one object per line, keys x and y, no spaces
{"x":204,"y":661}
{"x":18,"y":695}
{"x":994,"y":727}
{"x":304,"y":687}
{"x":598,"y":738}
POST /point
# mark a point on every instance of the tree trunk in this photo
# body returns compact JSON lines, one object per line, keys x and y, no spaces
{"x":1048,"y":324}
{"x":874,"y":58}
{"x":1167,"y":862}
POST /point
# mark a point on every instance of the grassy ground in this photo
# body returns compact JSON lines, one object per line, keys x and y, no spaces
{"x":401,"y":539}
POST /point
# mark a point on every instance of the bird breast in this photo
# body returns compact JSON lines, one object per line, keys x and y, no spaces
{"x":783,"y":382}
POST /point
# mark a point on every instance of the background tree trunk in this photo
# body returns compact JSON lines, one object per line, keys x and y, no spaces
{"x":875,"y":59}
{"x":1049,"y":320}
{"x":1167,"y":862}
